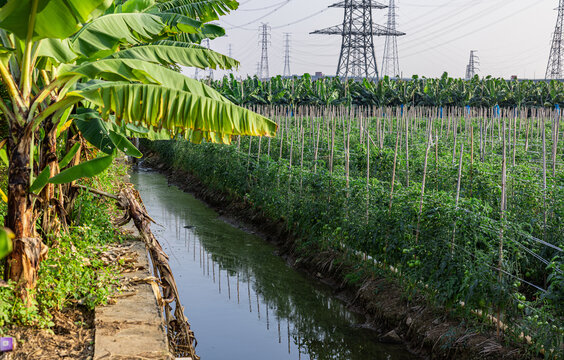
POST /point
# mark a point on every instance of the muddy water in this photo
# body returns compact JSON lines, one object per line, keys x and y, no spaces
{"x":242,"y":300}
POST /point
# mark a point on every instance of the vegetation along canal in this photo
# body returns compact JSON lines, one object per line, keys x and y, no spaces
{"x":242,"y":300}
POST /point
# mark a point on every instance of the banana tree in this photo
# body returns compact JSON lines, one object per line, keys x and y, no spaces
{"x":60,"y":55}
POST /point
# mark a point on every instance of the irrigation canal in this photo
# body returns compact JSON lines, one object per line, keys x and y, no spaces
{"x":242,"y":300}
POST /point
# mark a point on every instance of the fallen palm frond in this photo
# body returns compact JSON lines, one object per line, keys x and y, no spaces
{"x":181,"y":337}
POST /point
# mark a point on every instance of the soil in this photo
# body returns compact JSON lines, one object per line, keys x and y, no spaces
{"x":429,"y":331}
{"x":72,"y":337}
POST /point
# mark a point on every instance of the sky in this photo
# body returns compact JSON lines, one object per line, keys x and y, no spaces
{"x":512,"y":37}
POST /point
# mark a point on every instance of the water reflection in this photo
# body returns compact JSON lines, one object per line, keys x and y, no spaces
{"x":242,"y":300}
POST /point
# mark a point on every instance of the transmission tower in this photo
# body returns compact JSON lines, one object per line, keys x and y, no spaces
{"x":210,"y":71}
{"x":287,"y":72}
{"x":390,"y":62}
{"x":264,"y":34}
{"x":472,"y":67}
{"x":230,"y":54}
{"x":555,"y":67}
{"x":197,"y":74}
{"x":358,"y":59}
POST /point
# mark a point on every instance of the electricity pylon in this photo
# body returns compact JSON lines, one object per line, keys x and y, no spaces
{"x":264,"y":33}
{"x":390,"y":62}
{"x":210,"y":70}
{"x":555,"y":67}
{"x":472,"y":67}
{"x":287,"y":72}
{"x":358,"y":59}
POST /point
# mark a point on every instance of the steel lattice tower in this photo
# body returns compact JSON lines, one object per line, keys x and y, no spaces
{"x":358,"y":59}
{"x":230,"y":54}
{"x":472,"y":67}
{"x":206,"y":44}
{"x":287,"y":72}
{"x":390,"y":61}
{"x":555,"y":67}
{"x":264,"y":33}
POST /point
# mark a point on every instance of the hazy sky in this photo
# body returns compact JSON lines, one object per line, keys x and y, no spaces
{"x":512,"y":37}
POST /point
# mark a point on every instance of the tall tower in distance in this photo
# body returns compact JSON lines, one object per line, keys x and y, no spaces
{"x":390,"y":62}
{"x":472,"y":67}
{"x":206,"y":44}
{"x":230,"y":54}
{"x":555,"y":67}
{"x":287,"y":71}
{"x":358,"y":59}
{"x":264,"y":34}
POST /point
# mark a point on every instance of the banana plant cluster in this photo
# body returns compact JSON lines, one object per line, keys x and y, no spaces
{"x":444,"y":91}
{"x":81,"y":73}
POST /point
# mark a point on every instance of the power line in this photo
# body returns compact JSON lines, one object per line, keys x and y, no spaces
{"x":263,"y":8}
{"x":259,"y":18}
{"x":483,"y":27}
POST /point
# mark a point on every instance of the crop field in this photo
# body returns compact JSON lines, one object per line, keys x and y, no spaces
{"x":464,"y":204}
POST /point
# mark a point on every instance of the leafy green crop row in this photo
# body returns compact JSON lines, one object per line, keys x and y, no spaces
{"x":325,"y":194}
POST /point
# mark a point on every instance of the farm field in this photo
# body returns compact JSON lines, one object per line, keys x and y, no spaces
{"x":463,"y":204}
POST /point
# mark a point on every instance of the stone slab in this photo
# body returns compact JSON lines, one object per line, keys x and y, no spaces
{"x":133,"y":328}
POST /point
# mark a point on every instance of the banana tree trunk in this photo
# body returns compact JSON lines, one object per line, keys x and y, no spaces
{"x":28,"y":249}
{"x":50,"y":224}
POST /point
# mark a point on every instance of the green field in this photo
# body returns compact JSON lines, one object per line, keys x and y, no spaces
{"x":466,"y":205}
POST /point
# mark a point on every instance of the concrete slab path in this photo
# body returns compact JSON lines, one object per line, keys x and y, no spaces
{"x":133,"y":328}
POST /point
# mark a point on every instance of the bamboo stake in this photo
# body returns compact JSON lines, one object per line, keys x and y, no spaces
{"x":528,"y":126}
{"x":332,"y":150}
{"x":454,"y":134}
{"x":249,"y":154}
{"x":302,"y":160}
{"x":555,"y":142}
{"x":471,"y":159}
{"x":423,"y":185}
{"x":503,"y":207}
{"x":367,"y":173}
{"x":407,"y":151}
{"x":437,"y":158}
{"x":258,"y":154}
{"x":457,"y":192}
{"x":347,"y":151}
{"x":544,"y":176}
{"x":316,"y":147}
{"x":394,"y":169}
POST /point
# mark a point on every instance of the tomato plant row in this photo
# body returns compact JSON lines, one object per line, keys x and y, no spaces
{"x":467,"y":204}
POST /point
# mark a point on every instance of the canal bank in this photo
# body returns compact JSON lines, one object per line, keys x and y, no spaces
{"x":244,"y":301}
{"x":389,"y":309}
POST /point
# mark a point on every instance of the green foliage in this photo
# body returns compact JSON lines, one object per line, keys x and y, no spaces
{"x":328,"y":212}
{"x":85,"y":169}
{"x":5,"y":243}
{"x":442,"y":92}
{"x":73,"y":272}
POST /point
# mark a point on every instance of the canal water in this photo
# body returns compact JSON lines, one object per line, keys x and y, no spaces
{"x":243,"y":301}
